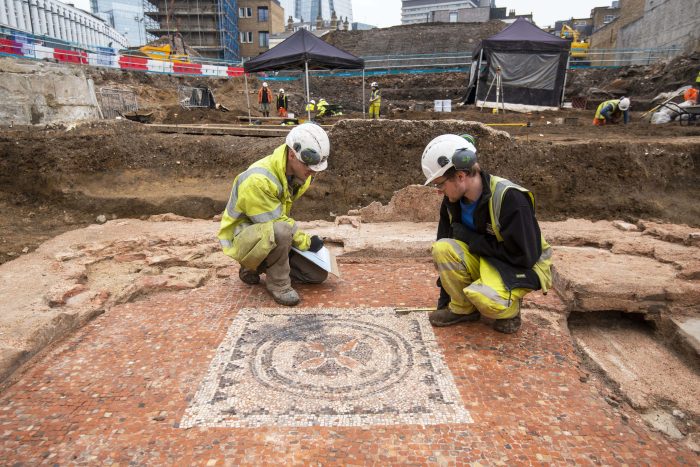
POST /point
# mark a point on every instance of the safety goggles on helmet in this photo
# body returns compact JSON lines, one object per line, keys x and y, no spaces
{"x":445,"y":152}
{"x":310,"y":145}
{"x":310,"y":157}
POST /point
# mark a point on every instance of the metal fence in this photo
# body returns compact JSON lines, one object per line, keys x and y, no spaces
{"x":394,"y":62}
{"x":625,"y":57}
{"x":116,"y":102}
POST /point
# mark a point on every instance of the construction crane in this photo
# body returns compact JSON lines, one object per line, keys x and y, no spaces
{"x":579,"y":48}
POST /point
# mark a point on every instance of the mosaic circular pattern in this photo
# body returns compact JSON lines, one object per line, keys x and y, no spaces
{"x":332,"y":359}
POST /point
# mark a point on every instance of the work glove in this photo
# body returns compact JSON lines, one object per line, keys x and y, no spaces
{"x":462,"y":233}
{"x":316,"y":243}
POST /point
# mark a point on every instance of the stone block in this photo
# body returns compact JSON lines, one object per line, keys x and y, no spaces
{"x":589,"y":279}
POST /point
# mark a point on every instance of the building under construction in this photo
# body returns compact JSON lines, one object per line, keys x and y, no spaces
{"x":207,"y":26}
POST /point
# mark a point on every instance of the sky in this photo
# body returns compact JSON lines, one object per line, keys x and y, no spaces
{"x":385,"y":13}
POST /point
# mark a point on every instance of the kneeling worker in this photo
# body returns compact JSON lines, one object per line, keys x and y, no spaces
{"x":611,"y":111}
{"x":490,"y":252}
{"x":256,"y":229}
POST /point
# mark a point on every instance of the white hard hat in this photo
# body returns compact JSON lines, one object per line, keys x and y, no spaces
{"x":311,"y":145}
{"x":441,"y":153}
{"x":374,"y":84}
{"x":312,"y":101}
{"x":264,"y":85}
{"x":624,"y":103}
{"x":281,"y":91}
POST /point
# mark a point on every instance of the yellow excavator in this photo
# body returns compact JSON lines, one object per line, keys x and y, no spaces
{"x":579,"y":48}
{"x":159,"y":52}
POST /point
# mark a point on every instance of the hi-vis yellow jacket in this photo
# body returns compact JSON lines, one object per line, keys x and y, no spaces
{"x":375,"y":97}
{"x":260,"y":195}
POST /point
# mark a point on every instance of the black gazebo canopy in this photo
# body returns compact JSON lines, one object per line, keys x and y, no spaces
{"x":532,"y":66}
{"x":302,"y":50}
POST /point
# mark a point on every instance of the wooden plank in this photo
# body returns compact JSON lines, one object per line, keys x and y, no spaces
{"x":245,"y":118}
{"x":231,"y":130}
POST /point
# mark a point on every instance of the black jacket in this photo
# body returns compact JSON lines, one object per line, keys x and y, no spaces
{"x":282,"y":101}
{"x":522,"y":240}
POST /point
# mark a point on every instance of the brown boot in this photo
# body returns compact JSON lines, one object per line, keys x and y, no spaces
{"x":507,"y":326}
{"x":444,"y":317}
{"x":248,"y":276}
{"x":287,"y":297}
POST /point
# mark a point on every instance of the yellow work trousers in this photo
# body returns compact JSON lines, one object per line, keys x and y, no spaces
{"x":374,"y":110}
{"x":472,"y":283}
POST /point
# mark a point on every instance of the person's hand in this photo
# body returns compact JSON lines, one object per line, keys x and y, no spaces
{"x":462,"y":233}
{"x":316,"y":244}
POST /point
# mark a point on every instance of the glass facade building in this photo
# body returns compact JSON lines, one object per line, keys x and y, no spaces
{"x":308,"y":10}
{"x":126,"y":16}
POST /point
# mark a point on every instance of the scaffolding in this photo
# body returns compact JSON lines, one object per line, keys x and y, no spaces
{"x":207,"y":26}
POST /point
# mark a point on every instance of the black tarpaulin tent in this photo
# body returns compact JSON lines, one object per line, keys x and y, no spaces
{"x":302,"y":50}
{"x":532,"y":65}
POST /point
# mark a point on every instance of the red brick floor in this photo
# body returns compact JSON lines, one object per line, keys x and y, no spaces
{"x":115,"y":391}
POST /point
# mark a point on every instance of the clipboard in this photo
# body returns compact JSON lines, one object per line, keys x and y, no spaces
{"x":323,"y":258}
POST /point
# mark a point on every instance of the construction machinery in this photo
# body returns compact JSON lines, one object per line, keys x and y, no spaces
{"x":579,"y":47}
{"x":159,"y":52}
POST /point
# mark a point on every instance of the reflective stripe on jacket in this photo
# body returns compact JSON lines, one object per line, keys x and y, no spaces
{"x":375,"y":97}
{"x":488,"y":216}
{"x":499,"y":186}
{"x":282,"y":101}
{"x":261,"y":194}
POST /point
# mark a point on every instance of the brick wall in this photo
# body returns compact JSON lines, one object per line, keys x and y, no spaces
{"x":606,"y":36}
{"x":665,"y":23}
{"x":274,"y":24}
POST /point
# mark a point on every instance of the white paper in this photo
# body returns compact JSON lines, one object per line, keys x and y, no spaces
{"x":323,"y":258}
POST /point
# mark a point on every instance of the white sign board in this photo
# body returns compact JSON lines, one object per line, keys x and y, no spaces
{"x":438,"y":106}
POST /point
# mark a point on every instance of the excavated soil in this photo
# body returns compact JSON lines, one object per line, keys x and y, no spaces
{"x":57,"y":179}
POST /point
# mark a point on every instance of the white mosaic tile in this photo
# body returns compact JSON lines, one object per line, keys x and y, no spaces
{"x":326,"y":367}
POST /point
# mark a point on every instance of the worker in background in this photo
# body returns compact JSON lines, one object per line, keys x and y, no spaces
{"x":489,"y":251}
{"x":321,"y":107}
{"x":611,"y":111}
{"x":691,"y":94}
{"x":256,"y":229}
{"x":311,"y":108}
{"x":282,"y":104}
{"x":375,"y":101}
{"x":264,"y":99}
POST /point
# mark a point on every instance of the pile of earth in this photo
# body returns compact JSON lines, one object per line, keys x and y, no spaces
{"x":125,"y":169}
{"x":159,"y":93}
{"x":424,"y":38}
{"x":641,"y":82}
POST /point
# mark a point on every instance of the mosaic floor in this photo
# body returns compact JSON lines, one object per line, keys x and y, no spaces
{"x":327,"y":367}
{"x":132,"y":386}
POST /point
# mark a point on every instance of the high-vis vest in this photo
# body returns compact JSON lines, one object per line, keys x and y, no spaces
{"x":375,"y":97}
{"x":321,"y":106}
{"x":615,"y":103}
{"x":258,"y":196}
{"x":499,"y":186}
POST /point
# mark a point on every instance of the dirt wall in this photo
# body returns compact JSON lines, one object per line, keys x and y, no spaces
{"x":128,"y":169}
